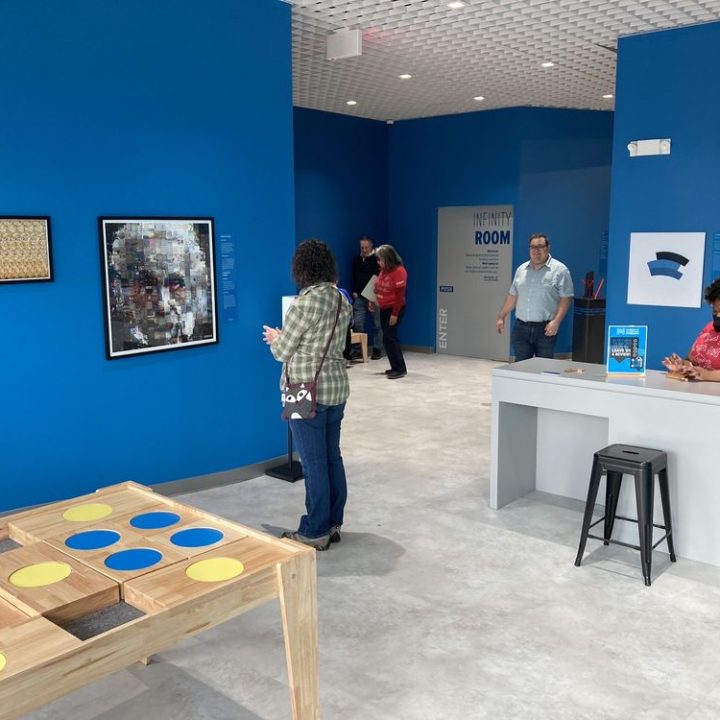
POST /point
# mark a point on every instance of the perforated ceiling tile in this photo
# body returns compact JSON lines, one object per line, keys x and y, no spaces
{"x":489,"y":48}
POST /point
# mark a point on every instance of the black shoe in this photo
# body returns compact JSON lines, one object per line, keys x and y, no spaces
{"x":335,"y":536}
{"x":376,"y":354}
{"x":394,"y":375}
{"x":387,"y":372}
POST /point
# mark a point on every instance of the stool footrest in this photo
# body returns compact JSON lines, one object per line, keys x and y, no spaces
{"x":614,"y":542}
{"x":620,"y":517}
{"x":626,"y":519}
{"x":662,"y":539}
{"x":624,"y":544}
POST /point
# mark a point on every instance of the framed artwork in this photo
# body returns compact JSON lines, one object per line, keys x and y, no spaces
{"x":158,"y":284}
{"x":25,"y":250}
{"x":666,"y":268}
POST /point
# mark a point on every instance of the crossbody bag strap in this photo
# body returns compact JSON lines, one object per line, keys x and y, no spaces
{"x":327,"y":347}
{"x":332,"y":334}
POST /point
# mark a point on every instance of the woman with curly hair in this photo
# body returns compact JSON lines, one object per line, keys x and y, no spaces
{"x":703,"y":361}
{"x":311,"y":323}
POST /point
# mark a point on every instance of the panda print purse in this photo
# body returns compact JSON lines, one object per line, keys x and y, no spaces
{"x":299,"y":400}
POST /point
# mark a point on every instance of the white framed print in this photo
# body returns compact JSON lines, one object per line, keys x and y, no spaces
{"x":666,"y":269}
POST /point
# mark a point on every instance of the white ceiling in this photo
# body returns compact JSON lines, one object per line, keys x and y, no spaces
{"x":491,"y":48}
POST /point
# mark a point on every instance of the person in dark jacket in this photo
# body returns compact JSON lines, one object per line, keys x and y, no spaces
{"x":365,"y":267}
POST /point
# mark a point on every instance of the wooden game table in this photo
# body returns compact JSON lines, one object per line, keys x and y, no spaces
{"x":163,"y":563}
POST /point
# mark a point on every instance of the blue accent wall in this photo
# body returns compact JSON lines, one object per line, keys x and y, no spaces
{"x":553,"y":166}
{"x":135,"y":109}
{"x":664,"y":90}
{"x":341,"y":190}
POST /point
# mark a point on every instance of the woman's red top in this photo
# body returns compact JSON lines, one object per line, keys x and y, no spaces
{"x":390,"y":289}
{"x":705,"y":351}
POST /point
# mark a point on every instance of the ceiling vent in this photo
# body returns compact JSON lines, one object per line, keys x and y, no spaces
{"x":344,"y":44}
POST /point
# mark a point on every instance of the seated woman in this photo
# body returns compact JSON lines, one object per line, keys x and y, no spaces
{"x":703,"y":361}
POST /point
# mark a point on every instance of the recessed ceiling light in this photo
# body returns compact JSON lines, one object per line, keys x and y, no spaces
{"x":479,"y":98}
{"x":351,"y":102}
{"x":608,"y":96}
{"x":456,"y":4}
{"x":405,"y":76}
{"x":547,"y":64}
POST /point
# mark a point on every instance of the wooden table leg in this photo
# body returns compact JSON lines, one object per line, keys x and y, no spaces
{"x":297,"y":581}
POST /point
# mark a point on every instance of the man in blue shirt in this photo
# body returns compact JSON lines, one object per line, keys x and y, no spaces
{"x":540,"y":294}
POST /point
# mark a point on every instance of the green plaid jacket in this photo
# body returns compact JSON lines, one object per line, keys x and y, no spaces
{"x":306,"y":330}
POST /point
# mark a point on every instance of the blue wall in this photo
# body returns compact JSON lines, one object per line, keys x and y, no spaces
{"x":340,"y":182}
{"x":553,"y":166}
{"x":128,"y":108}
{"x":666,"y":87}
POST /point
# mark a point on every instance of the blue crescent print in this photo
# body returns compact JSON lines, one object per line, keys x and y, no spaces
{"x":665,"y":267}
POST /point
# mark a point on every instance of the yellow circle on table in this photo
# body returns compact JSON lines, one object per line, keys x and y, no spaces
{"x":40,"y":574}
{"x":2,"y":661}
{"x":215,"y":569}
{"x":88,"y":512}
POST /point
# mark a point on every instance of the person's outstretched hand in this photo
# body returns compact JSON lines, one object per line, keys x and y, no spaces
{"x":674,"y":363}
{"x":270,"y":334}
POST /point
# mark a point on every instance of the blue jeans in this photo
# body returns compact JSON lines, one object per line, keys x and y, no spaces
{"x":530,"y":340}
{"x":318,"y":445}
{"x":360,"y":313}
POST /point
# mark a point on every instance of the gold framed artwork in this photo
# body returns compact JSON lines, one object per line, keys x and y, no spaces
{"x":25,"y":249}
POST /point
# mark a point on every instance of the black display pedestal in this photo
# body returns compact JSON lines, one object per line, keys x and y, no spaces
{"x":589,"y":330}
{"x":291,"y":470}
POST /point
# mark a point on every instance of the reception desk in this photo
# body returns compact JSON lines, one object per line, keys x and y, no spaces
{"x":547,"y":422}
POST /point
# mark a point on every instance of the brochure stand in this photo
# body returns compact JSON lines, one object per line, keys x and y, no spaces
{"x":291,"y":471}
{"x":627,"y":350}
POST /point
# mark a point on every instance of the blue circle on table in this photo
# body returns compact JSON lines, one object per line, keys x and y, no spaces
{"x":133,"y":559}
{"x":197,"y":537}
{"x":154,"y":520}
{"x":92,"y":539}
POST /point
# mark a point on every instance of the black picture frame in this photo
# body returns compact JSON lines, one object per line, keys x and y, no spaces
{"x":159,"y":283}
{"x":25,"y":249}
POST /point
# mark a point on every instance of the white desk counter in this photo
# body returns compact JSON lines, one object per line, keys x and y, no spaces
{"x":547,"y":423}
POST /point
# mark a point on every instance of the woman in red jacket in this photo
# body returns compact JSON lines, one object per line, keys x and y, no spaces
{"x":390,"y":292}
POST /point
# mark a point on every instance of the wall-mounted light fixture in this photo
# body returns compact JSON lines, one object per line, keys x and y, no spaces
{"x":661,"y":146}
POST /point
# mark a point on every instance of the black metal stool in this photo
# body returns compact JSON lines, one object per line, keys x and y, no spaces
{"x":643,"y":464}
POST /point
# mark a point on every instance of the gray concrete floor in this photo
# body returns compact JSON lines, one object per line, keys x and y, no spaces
{"x":433,"y":606}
